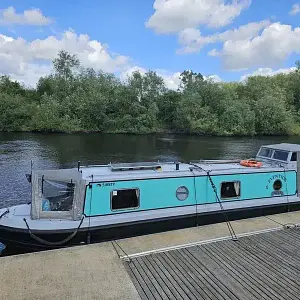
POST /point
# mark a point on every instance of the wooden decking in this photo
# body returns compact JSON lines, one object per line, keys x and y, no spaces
{"x":262,"y":266}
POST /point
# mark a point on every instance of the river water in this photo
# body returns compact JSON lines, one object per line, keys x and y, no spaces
{"x":51,"y":151}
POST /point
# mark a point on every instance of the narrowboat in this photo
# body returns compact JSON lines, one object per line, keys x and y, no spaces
{"x":99,"y":203}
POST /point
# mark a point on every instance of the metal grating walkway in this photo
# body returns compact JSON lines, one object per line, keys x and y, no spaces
{"x":262,"y":266}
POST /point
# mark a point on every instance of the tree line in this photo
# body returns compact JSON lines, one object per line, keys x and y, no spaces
{"x":77,"y":99}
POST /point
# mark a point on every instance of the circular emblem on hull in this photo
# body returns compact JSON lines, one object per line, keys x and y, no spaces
{"x":182,"y":193}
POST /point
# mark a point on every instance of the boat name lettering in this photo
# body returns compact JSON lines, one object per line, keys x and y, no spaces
{"x":277,"y":176}
{"x":106,"y":184}
{"x":274,"y":177}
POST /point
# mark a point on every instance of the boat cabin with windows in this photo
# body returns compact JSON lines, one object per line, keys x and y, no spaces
{"x":279,"y":153}
{"x":105,"y":202}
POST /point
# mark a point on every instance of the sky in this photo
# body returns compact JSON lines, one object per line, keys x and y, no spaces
{"x":226,"y":40}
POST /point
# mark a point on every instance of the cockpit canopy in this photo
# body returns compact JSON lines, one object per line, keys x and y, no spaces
{"x":57,"y":194}
{"x":282,"y":153}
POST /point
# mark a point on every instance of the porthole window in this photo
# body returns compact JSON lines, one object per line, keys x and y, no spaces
{"x":182,"y":193}
{"x":277,"y":185}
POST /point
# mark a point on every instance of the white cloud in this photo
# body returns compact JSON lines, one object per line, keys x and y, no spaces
{"x":28,"y":17}
{"x":21,"y":59}
{"x":176,"y":15}
{"x":214,"y":78}
{"x":213,"y":52}
{"x":267,"y":72}
{"x":172,"y":80}
{"x":272,"y":47}
{"x":30,"y":73}
{"x":28,"y":61}
{"x":295,"y":9}
{"x":192,"y":40}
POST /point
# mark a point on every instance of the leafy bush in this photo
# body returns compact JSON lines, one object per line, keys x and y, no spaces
{"x":77,"y":99}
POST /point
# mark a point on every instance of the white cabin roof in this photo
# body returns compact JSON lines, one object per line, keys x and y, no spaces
{"x":105,"y":172}
{"x":131,"y":171}
{"x":284,"y":146}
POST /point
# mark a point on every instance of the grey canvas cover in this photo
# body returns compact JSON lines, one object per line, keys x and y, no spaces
{"x":64,"y":176}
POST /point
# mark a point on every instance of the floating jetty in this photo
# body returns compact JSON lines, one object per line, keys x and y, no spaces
{"x":195,"y":263}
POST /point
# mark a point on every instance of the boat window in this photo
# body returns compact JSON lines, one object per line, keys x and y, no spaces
{"x":230,"y":189}
{"x":57,"y":196}
{"x":265,"y":152}
{"x":281,"y":155}
{"x":294,"y":156}
{"x":125,"y":199}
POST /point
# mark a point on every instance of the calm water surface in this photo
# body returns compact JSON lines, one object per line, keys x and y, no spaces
{"x":48,"y":151}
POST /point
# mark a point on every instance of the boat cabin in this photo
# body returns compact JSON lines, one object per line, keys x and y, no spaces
{"x":279,"y":153}
{"x":115,"y":189}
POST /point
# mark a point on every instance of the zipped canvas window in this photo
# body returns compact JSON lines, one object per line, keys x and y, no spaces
{"x":57,"y":196}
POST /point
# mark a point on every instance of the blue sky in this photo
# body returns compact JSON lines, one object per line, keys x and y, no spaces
{"x":159,"y":35}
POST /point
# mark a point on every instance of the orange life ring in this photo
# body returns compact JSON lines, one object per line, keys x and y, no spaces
{"x":251,"y":163}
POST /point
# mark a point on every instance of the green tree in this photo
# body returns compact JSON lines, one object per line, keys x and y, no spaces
{"x":65,"y":64}
{"x":15,"y":113}
{"x":190,"y":80}
{"x":11,"y":87}
{"x":78,"y":99}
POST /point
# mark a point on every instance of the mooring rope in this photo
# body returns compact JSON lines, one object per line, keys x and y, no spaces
{"x":126,"y":255}
{"x":284,"y":225}
{"x":42,"y":241}
{"x":230,"y":228}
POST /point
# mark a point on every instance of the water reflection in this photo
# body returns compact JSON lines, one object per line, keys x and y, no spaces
{"x":49,"y":151}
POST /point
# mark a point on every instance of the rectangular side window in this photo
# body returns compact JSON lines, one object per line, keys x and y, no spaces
{"x":294,"y":156}
{"x":125,"y":199}
{"x":230,"y":190}
{"x":281,"y":155}
{"x":265,"y":152}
